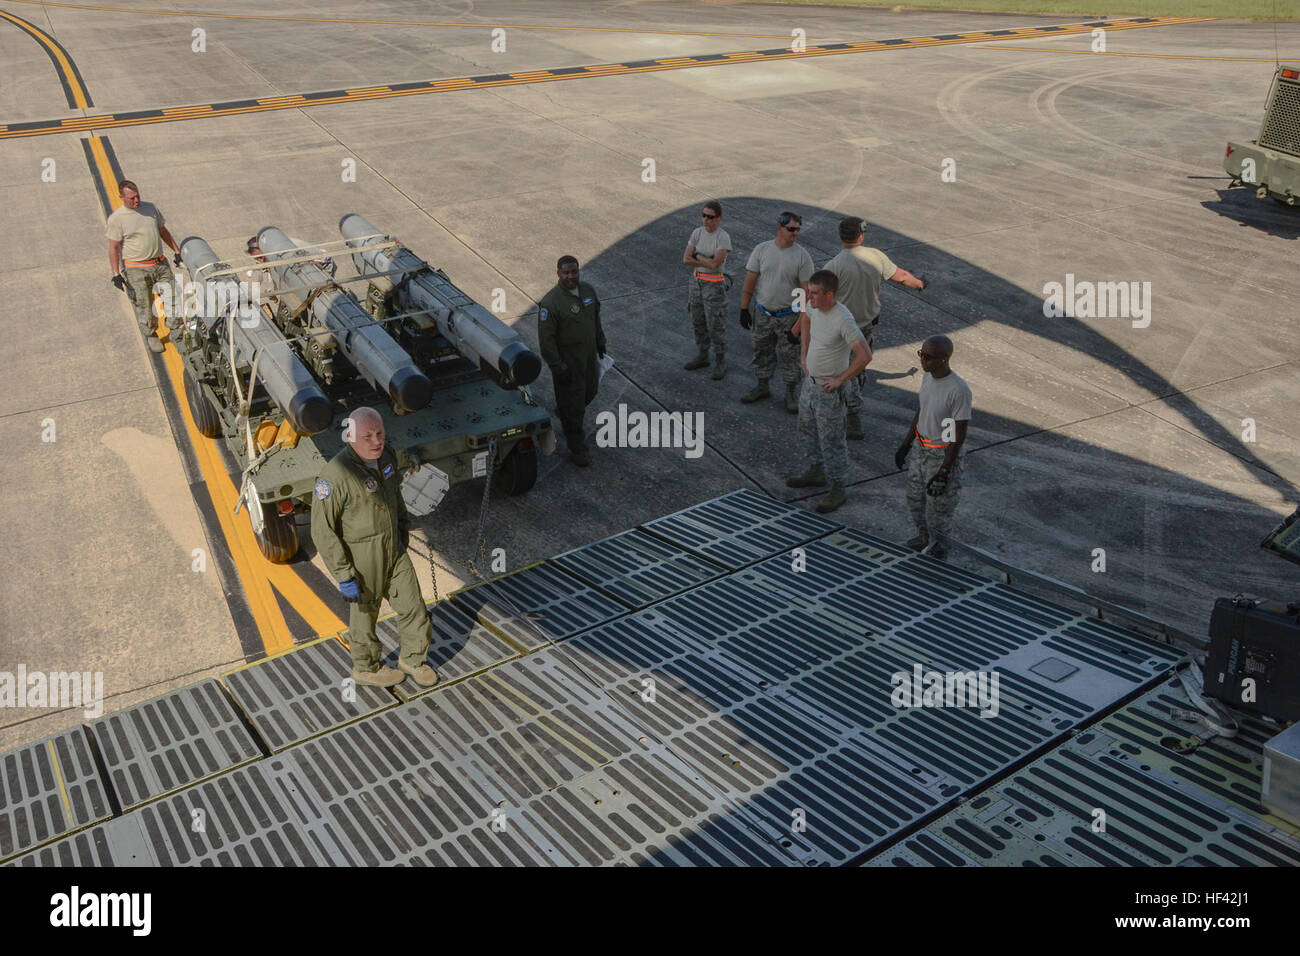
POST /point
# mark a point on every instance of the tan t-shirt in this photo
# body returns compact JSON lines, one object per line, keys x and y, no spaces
{"x":830,"y":346}
{"x":709,"y":244}
{"x":137,"y":230}
{"x":861,"y":270}
{"x":780,"y":272}
{"x":947,"y":397}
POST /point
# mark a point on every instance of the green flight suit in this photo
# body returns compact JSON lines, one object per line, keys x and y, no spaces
{"x":360,"y":525}
{"x":569,"y":332}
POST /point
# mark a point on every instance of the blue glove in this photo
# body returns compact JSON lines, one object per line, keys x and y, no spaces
{"x":351,"y":593}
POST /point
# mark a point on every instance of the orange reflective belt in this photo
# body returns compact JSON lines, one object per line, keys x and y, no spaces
{"x":709,"y":276}
{"x":926,"y":443}
{"x":145,"y":263}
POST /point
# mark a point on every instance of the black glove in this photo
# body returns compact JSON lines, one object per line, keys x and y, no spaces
{"x":938,"y":484}
{"x":924,"y":282}
{"x":900,"y":456}
{"x":792,"y":338}
{"x":120,"y":281}
{"x":561,"y":376}
{"x":177,"y":258}
{"x":600,"y":350}
{"x":404,"y":539}
{"x":746,"y":319}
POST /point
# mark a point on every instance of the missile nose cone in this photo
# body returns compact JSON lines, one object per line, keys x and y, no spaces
{"x":519,"y":364}
{"x":310,"y":414}
{"x":409,"y":389}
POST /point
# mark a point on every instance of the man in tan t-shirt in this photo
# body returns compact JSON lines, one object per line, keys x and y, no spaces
{"x":861,"y":271}
{"x":136,"y":233}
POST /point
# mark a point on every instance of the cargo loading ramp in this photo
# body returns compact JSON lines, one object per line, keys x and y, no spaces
{"x":710,"y":688}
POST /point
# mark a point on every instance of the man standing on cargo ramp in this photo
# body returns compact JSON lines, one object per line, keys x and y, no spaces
{"x":934,"y":474}
{"x":361,"y":527}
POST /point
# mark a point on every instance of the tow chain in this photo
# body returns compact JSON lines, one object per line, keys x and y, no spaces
{"x":479,"y":535}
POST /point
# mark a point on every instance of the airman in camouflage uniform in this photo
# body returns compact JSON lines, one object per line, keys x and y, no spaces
{"x":935,"y":468}
{"x":775,"y":269}
{"x":706,"y":251}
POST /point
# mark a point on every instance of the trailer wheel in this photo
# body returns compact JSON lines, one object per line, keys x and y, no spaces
{"x":206,"y":419}
{"x":278,"y":539}
{"x":518,"y":473}
{"x":1283,"y":202}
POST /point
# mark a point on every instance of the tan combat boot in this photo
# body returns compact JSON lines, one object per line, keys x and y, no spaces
{"x":812,"y":478}
{"x":792,"y":399}
{"x":384,"y":677}
{"x":853,"y":427}
{"x":760,"y":391}
{"x":700,"y":361}
{"x":424,"y":675}
{"x":719,"y":368}
{"x":832,"y":500}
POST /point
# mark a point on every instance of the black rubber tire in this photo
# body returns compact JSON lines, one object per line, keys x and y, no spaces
{"x":278,"y":541}
{"x":206,"y":419}
{"x":1283,"y":203}
{"x":518,"y":473}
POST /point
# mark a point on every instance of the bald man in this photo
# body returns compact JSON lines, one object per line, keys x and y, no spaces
{"x":361,"y":527}
{"x":939,"y":426}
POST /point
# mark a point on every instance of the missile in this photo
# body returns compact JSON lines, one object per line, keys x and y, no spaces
{"x":371,"y":350}
{"x":475,"y":332}
{"x":279,"y":369}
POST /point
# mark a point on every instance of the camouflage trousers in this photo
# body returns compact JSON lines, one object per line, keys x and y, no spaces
{"x":855,"y":397}
{"x":707,"y":303}
{"x":139,"y":284}
{"x":822,"y":442}
{"x":772,"y":348}
{"x":931,"y":514}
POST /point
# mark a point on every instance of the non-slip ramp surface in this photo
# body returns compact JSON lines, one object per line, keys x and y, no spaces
{"x":47,"y":789}
{"x":295,"y":696}
{"x":636,"y":568}
{"x":459,"y":646}
{"x":740,"y":528}
{"x":1118,"y":794}
{"x":536,"y":606}
{"x":171,"y":741}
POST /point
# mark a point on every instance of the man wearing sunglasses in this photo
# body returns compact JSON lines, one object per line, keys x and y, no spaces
{"x":706,"y":251}
{"x":775,"y":270}
{"x":861,"y":271}
{"x":934,"y":469}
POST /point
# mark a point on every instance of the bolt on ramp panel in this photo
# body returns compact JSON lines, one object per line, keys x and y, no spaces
{"x":49,"y":788}
{"x":536,"y":605}
{"x":172,"y":741}
{"x":246,"y":817}
{"x":740,"y":528}
{"x":1160,"y":808}
{"x":526,"y":764}
{"x":460,"y":646}
{"x":777,"y":757}
{"x":301,"y":693}
{"x":637,"y":568}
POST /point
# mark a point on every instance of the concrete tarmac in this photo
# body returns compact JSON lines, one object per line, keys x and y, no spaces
{"x":1171,"y":446}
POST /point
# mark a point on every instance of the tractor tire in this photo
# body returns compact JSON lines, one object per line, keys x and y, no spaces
{"x":518,"y":473}
{"x":278,"y":541}
{"x":206,"y":419}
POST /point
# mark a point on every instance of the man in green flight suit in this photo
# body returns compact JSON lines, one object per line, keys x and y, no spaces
{"x":360,"y":525}
{"x":568,"y":329}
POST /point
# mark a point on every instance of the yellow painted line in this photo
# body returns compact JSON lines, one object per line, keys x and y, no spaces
{"x":182,"y":110}
{"x":1154,"y":56}
{"x":366,"y":89}
{"x":79,"y":93}
{"x":606,"y":69}
{"x":63,"y":789}
{"x":403,"y":23}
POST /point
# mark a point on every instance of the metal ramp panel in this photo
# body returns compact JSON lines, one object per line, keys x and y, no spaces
{"x":459,"y":647}
{"x":637,"y":568}
{"x":535,"y":606}
{"x":303,"y":693}
{"x":172,"y":741}
{"x":49,"y":788}
{"x":1118,"y":794}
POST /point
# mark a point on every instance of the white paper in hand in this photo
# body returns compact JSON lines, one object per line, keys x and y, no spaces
{"x":606,"y":363}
